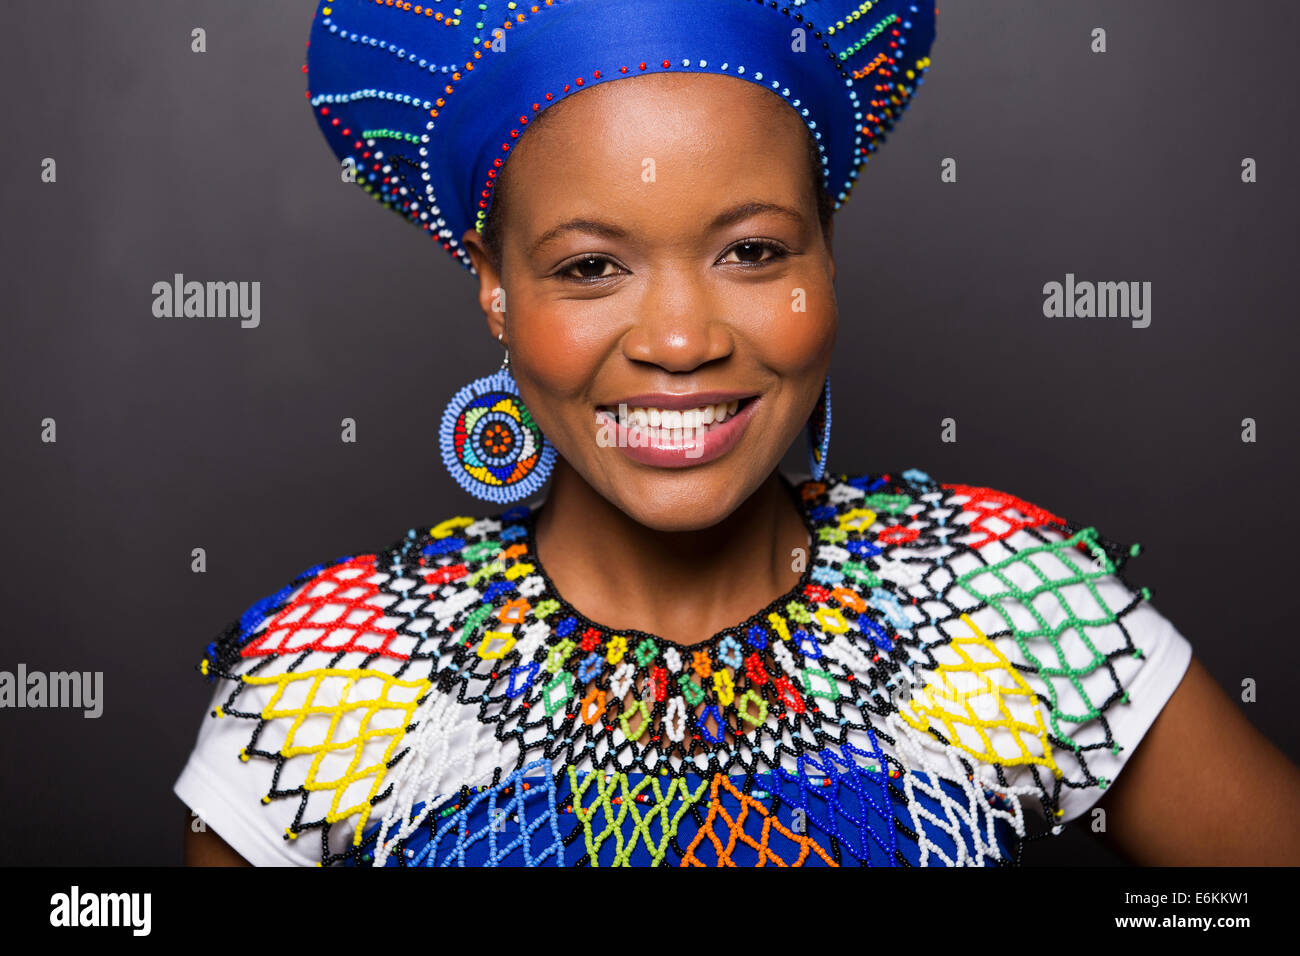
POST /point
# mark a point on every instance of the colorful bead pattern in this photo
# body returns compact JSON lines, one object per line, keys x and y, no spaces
{"x":947,"y":658}
{"x":435,"y":52}
{"x":490,"y":443}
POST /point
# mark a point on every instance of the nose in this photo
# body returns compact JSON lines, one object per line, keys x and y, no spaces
{"x":679,"y":326}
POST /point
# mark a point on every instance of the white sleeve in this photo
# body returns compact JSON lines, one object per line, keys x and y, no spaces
{"x":270,"y":725}
{"x":1148,"y":684}
{"x":290,"y":767}
{"x":226,"y":792}
{"x":1100,"y":660}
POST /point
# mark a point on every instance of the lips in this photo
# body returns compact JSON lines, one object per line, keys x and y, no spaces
{"x":701,"y":428}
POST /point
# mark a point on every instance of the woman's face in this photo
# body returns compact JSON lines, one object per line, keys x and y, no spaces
{"x":661,"y":250}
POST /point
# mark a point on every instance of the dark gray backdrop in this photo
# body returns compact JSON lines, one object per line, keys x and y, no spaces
{"x":176,"y":434}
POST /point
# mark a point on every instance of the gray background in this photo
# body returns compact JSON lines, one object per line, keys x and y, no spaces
{"x":176,"y":434}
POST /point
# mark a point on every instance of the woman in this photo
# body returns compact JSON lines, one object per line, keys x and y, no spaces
{"x":679,"y":655}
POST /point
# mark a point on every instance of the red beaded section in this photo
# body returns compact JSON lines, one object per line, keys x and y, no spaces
{"x":1000,"y":515}
{"x":331,"y":614}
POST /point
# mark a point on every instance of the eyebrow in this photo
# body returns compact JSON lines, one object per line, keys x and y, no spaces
{"x":607,"y":230}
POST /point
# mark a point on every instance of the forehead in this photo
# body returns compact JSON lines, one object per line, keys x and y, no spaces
{"x":708,"y":95}
{"x":701,"y":128}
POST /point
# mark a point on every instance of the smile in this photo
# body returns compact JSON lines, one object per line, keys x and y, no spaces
{"x":675,"y":431}
{"x":652,"y":417}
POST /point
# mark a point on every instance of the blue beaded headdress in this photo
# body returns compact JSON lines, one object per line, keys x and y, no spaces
{"x":425,"y":100}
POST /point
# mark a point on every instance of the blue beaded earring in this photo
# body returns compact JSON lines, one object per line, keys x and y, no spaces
{"x":490,"y":443}
{"x":819,"y":433}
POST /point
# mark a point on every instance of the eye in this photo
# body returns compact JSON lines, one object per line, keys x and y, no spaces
{"x":590,"y":267}
{"x":756,"y":247}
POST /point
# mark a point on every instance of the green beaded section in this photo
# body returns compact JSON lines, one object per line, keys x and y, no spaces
{"x":1082,"y":573}
{"x":486,"y":572}
{"x":474,"y":623}
{"x":691,"y":690}
{"x":832,"y":691}
{"x":860,"y":574}
{"x":870,"y":35}
{"x":558,"y":654}
{"x":607,"y":791}
{"x":390,"y":134}
{"x":645,"y":652}
{"x":480,"y":551}
{"x":798,"y":613}
{"x":888,"y":503}
{"x":565,"y":680}
{"x":544,"y":609}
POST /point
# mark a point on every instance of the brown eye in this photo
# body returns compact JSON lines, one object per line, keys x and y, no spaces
{"x":750,"y":252}
{"x":588,"y":267}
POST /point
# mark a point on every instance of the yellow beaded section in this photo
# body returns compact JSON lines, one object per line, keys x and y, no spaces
{"x":928,"y":705}
{"x":852,"y":17}
{"x":406,"y":694}
{"x":446,"y":528}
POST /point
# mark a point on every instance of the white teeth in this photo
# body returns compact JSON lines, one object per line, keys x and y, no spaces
{"x":678,"y":420}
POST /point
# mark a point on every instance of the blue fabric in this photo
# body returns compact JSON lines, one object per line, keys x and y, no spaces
{"x":852,"y":814}
{"x":379,"y":71}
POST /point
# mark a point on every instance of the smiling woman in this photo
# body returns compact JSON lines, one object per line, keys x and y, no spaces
{"x":706,"y":283}
{"x":677,"y":654}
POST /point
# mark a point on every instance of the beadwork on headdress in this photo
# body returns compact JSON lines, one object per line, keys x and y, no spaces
{"x":950,"y":659}
{"x":424,"y":101}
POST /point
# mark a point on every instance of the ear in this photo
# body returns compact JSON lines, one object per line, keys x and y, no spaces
{"x":491,"y":293}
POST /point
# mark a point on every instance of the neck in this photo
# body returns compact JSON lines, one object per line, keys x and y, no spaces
{"x":618,"y":572}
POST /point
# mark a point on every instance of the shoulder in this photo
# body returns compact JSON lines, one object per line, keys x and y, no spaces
{"x":1034,"y":653}
{"x":319,"y":683}
{"x":351,"y":604}
{"x":910,"y":506}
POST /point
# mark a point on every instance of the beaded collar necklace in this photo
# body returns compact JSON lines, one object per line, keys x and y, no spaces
{"x":805,"y":692}
{"x":534,"y":665}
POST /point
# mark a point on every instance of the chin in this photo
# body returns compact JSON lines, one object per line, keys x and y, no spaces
{"x":684,"y":499}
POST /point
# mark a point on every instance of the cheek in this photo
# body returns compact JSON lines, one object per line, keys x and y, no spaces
{"x":555,"y":357}
{"x":795,"y":329}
